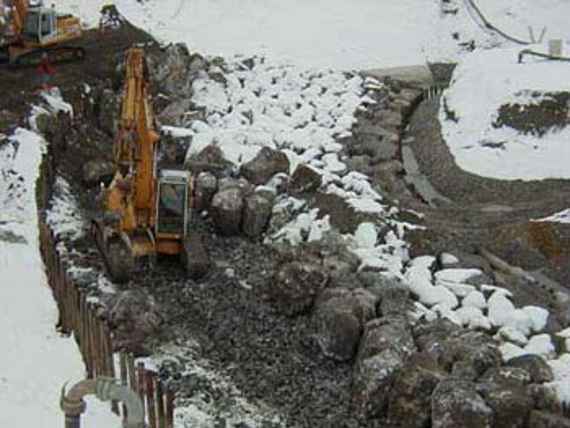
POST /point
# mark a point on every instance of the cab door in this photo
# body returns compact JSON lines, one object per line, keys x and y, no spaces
{"x":48,"y":27}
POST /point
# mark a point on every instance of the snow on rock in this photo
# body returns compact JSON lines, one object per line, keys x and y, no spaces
{"x":366,"y":235}
{"x":422,"y":311}
{"x":318,"y":228}
{"x":511,"y":334}
{"x":444,"y":311}
{"x":538,"y":317}
{"x":276,"y":105}
{"x":519,"y":320}
{"x":456,"y":275}
{"x":509,"y":350}
{"x":561,"y":371}
{"x":496,"y":290}
{"x":559,"y":217}
{"x":475,"y":299}
{"x":448,"y":259}
{"x":438,"y":295}
{"x":540,"y":344}
{"x":473,"y":317}
{"x":297,"y":230}
{"x":460,"y":290}
{"x":500,"y":309}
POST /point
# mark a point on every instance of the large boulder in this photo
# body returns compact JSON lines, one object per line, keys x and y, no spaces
{"x":511,"y":404}
{"x":535,"y":366}
{"x":265,"y":165}
{"x":256,"y":213}
{"x":340,"y":317}
{"x":296,"y":285}
{"x":170,"y":69}
{"x":506,"y":376}
{"x":410,"y":400}
{"x":204,"y":190}
{"x":305,"y":179}
{"x":384,"y":348}
{"x":456,"y":403}
{"x":395,"y":301}
{"x":226,"y":210}
{"x":209,"y":159}
{"x":545,"y":397}
{"x":468,"y":353}
{"x":174,"y":112}
{"x":134,"y":317}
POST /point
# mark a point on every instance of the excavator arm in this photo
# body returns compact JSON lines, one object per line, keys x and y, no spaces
{"x":135,"y":147}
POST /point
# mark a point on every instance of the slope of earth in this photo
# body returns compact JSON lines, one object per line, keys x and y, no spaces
{"x":490,"y":212}
{"x":19,"y":84}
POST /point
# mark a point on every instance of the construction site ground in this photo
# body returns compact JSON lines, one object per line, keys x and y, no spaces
{"x":270,"y":357}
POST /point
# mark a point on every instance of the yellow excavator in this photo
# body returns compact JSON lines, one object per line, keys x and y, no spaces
{"x":146,"y":208}
{"x":34,"y":30}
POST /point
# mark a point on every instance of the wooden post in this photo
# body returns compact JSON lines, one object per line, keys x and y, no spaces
{"x":97,"y":343}
{"x":132,"y":372}
{"x":84,"y":342}
{"x":141,"y":383}
{"x":123,"y":366}
{"x":110,"y":363}
{"x":66,"y":320}
{"x":169,"y":408}
{"x":150,"y":398}
{"x":160,"y":404}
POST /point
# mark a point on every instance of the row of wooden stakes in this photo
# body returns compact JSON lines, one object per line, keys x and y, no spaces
{"x":79,"y":317}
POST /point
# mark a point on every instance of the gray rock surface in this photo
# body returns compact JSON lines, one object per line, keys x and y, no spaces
{"x":256,"y":213}
{"x":265,"y":165}
{"x":340,"y":316}
{"x":227,"y":209}
{"x":205,"y":189}
{"x":456,"y":403}
{"x":296,"y":285}
{"x":383,"y":350}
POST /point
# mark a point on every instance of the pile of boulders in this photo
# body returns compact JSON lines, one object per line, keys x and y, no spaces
{"x":375,"y":144}
{"x":238,"y":201}
{"x":409,"y":371}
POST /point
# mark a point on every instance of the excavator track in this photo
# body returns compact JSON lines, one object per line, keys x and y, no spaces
{"x":56,"y":55}
{"x":118,"y":259}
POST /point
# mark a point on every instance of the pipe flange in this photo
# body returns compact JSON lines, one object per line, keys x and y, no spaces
{"x":72,"y":407}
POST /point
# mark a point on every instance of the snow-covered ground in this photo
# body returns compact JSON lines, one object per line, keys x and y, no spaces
{"x":35,"y":360}
{"x":491,"y":76}
{"x":484,"y":81}
{"x":311,"y":33}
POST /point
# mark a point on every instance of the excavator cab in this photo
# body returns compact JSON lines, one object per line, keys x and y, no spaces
{"x":40,"y":25}
{"x":173,"y":210}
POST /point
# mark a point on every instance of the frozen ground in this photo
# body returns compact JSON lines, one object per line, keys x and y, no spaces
{"x":35,"y":360}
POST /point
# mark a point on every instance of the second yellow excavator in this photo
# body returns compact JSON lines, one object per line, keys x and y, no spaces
{"x":146,"y":208}
{"x":34,"y":30}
